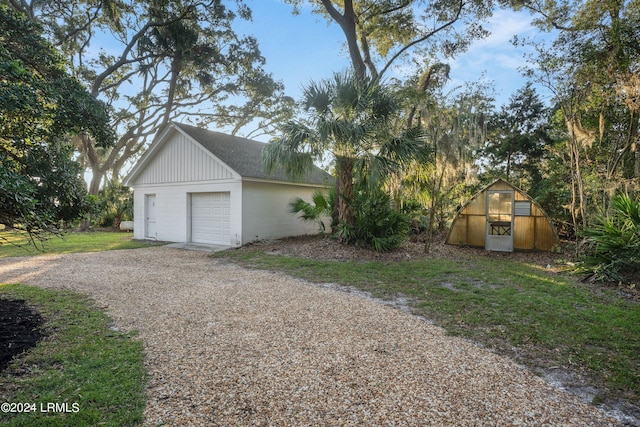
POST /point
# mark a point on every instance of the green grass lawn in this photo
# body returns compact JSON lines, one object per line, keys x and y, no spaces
{"x":540,"y":318}
{"x":81,"y":360}
{"x":13,"y":244}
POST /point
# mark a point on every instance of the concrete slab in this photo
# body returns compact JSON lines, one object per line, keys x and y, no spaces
{"x":202,"y":247}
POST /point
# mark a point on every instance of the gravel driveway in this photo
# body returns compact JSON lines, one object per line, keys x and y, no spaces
{"x":230,"y":346}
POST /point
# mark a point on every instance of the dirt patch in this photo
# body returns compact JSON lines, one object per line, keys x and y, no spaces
{"x":19,"y":329}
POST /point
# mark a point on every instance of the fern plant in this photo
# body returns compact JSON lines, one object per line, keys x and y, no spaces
{"x":613,"y":244}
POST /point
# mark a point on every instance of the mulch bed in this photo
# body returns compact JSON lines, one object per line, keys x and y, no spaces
{"x":324,"y":247}
{"x":20,"y":329}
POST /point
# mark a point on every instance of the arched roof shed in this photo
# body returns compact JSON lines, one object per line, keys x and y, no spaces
{"x":501,"y":217}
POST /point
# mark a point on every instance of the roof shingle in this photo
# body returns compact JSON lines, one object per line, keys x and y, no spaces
{"x":245,"y":156}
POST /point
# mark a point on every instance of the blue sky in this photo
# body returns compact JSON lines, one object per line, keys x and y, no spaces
{"x":304,"y":47}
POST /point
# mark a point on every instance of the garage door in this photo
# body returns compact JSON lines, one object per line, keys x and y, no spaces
{"x":210,"y":214}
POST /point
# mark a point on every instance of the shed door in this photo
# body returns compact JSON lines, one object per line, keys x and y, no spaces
{"x":150,"y":216}
{"x":210,"y":218}
{"x":499,"y":221}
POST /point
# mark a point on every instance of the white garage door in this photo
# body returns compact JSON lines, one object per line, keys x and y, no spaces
{"x":210,"y":214}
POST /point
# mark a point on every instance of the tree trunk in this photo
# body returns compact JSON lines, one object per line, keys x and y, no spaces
{"x":635,"y":146}
{"x":96,"y":180}
{"x":176,"y":69}
{"x":580,"y":182}
{"x":348,"y":24}
{"x":436,"y":202}
{"x":636,"y":168}
{"x":578,"y":196}
{"x":344,"y":189}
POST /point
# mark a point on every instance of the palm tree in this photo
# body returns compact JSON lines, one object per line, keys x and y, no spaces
{"x":354,"y":121}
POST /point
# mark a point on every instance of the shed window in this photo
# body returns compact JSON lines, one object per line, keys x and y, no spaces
{"x":522,"y":208}
{"x":499,"y":214}
{"x":500,"y":207}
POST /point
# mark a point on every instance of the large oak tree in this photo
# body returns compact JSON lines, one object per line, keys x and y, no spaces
{"x":156,"y":61}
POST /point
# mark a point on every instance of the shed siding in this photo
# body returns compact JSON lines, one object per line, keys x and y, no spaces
{"x":478,"y":206}
{"x":523,"y":234}
{"x":500,"y":186}
{"x":265,"y":211}
{"x":180,"y":160}
{"x":546,"y":239}
{"x":172,"y":204}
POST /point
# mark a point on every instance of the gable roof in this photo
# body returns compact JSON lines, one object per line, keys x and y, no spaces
{"x":242,"y":155}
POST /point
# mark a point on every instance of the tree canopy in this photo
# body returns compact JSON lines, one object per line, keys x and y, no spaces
{"x":592,"y":68}
{"x":517,"y":137}
{"x":40,"y":106}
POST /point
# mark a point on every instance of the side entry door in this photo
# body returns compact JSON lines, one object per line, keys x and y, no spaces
{"x":499,"y":231}
{"x":150,"y":216}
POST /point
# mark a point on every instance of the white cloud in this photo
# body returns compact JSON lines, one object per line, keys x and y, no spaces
{"x":504,"y":24}
{"x":495,"y":58}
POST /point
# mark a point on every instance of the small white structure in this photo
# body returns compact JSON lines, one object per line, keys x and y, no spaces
{"x":197,"y":186}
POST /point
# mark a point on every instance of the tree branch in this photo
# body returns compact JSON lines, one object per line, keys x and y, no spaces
{"x":24,"y":7}
{"x":424,"y":37}
{"x":95,"y":89}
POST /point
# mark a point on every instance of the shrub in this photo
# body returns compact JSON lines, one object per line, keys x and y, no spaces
{"x":417,"y":215}
{"x":376,"y":224}
{"x":613,"y":245}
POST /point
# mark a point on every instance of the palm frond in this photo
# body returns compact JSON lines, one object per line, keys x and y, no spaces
{"x":315,"y":211}
{"x":317,"y":97}
{"x":291,"y":153}
{"x":614,"y":242}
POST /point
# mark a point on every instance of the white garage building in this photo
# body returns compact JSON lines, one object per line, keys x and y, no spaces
{"x":198,"y":186}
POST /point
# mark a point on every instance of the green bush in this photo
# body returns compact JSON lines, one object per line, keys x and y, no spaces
{"x":417,"y":215}
{"x":115,"y":205}
{"x":613,"y":245}
{"x":376,"y":224}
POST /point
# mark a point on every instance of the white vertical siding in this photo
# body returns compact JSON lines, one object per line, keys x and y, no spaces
{"x":181,"y":160}
{"x":265,"y":211}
